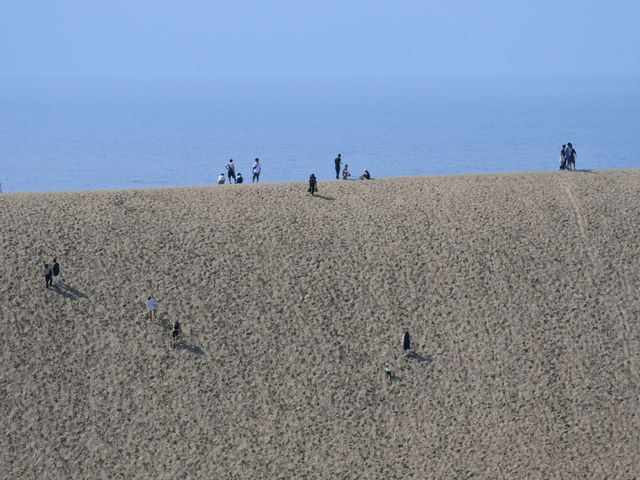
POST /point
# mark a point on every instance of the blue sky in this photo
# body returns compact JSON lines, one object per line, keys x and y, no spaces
{"x":327,"y":39}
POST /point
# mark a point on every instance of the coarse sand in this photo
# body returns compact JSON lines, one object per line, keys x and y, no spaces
{"x":519,"y":290}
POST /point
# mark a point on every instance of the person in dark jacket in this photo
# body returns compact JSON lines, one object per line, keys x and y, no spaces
{"x":56,"y":271}
{"x":406,"y":342}
{"x":313,"y":184}
{"x":239,"y":178}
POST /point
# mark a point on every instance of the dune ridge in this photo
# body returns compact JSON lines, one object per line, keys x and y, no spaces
{"x":519,"y":291}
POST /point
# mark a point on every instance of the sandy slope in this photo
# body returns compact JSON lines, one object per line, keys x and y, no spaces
{"x":519,"y":290}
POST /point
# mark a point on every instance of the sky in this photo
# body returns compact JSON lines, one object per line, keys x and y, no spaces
{"x":247,"y":39}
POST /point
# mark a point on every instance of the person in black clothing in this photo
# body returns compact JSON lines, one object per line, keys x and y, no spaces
{"x":337,"y":162}
{"x":47,"y":275}
{"x":366,"y":175}
{"x":56,"y":271}
{"x":239,"y":178}
{"x":406,"y":342}
{"x":313,"y":184}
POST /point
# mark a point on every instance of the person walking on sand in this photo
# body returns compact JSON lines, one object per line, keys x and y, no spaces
{"x":151,"y":307}
{"x":313,"y":184}
{"x":257,"y":168}
{"x":406,"y":342}
{"x":387,"y":371}
{"x":47,"y":275}
{"x":56,"y":271}
{"x":231,"y":170}
{"x":337,"y":163}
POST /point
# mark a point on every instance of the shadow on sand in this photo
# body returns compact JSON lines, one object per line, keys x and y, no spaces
{"x":191,"y":348}
{"x":67,"y":291}
{"x":323,"y":197}
{"x":419,"y":357}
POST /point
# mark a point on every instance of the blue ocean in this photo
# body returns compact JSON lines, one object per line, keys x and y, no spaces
{"x":73,"y":135}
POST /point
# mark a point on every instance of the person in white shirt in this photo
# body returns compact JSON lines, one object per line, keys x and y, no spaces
{"x":221,"y":179}
{"x":257,"y":168}
{"x":231,"y":170}
{"x":151,"y":307}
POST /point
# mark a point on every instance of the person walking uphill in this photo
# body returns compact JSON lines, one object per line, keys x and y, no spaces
{"x":257,"y":168}
{"x":337,"y":163}
{"x":313,"y":184}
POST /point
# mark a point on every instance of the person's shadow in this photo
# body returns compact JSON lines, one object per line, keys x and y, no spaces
{"x":67,"y":291}
{"x":323,"y":197}
{"x":419,"y":357}
{"x":191,"y":348}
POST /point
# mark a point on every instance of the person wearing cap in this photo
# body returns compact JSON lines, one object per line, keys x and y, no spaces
{"x":387,"y":371}
{"x":221,"y":179}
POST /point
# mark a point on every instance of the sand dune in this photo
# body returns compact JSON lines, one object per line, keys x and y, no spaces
{"x":519,"y":290}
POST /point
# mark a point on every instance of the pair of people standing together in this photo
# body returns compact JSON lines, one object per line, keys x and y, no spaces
{"x":568,"y":157}
{"x":50,"y":273}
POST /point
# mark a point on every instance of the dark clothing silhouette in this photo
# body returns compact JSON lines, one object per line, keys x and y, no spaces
{"x":313,"y":186}
{"x":406,"y":342}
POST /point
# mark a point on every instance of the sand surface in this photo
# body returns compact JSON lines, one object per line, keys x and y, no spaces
{"x":520,"y":292}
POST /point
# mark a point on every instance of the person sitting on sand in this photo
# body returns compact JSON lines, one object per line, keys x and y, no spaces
{"x":239,"y":178}
{"x":151,"y":307}
{"x":313,"y":184}
{"x":221,"y":179}
{"x":345,"y":172}
{"x":366,"y":175}
{"x":387,"y":371}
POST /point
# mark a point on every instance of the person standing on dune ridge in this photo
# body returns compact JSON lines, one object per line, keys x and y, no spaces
{"x":337,"y":162}
{"x":257,"y":168}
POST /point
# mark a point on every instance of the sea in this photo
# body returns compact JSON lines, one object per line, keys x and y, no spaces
{"x":101,"y":134}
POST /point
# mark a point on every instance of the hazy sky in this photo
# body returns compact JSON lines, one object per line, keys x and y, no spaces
{"x":298,"y":38}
